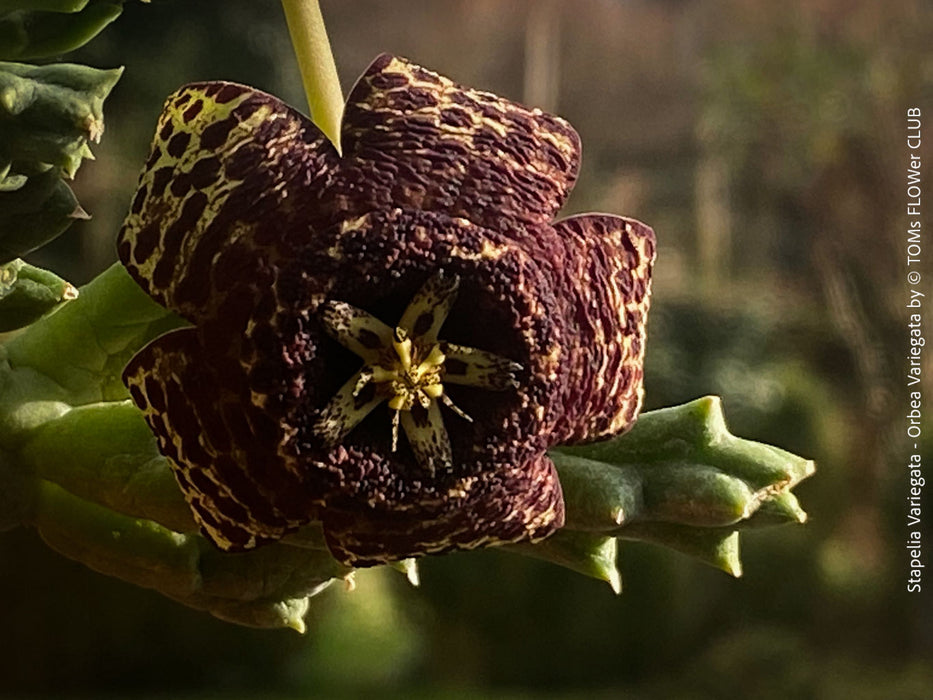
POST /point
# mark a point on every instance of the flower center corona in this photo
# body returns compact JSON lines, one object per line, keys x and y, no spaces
{"x":408,"y":367}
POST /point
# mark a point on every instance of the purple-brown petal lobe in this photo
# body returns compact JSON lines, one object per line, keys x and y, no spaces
{"x":608,"y":287}
{"x":226,"y":159}
{"x":414,"y":139}
{"x":223,"y":462}
{"x":496,"y":506}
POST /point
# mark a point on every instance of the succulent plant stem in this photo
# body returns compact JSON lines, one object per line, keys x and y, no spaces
{"x":316,"y":63}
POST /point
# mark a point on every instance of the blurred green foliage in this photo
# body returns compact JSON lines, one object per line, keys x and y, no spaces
{"x":48,"y":115}
{"x":32,"y":29}
{"x":794,"y":318}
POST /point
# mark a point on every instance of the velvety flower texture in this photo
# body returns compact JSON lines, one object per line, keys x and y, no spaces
{"x":387,"y":340}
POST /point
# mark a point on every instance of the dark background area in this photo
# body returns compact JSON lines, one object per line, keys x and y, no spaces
{"x":766,"y":144}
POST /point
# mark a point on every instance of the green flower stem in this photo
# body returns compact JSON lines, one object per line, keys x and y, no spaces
{"x":263,"y":588}
{"x":316,"y":62}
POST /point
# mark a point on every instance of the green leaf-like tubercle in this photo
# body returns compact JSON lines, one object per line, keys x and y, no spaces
{"x":28,"y":292}
{"x":586,"y":553}
{"x":680,"y":479}
{"x":42,"y":29}
{"x":38,"y":212}
{"x":48,"y":116}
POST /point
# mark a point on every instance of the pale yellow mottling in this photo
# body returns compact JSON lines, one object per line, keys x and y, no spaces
{"x":448,"y":97}
{"x":168,"y":207}
{"x":356,"y":224}
{"x":489,"y":251}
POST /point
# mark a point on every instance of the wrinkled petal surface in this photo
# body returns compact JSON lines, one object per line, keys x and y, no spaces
{"x":415,"y":139}
{"x":232,"y":171}
{"x":250,"y":225}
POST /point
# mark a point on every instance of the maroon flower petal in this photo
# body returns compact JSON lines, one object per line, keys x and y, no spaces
{"x":606,"y":286}
{"x":509,"y":504}
{"x":229,"y":166}
{"x":414,"y":139}
{"x":224,"y":450}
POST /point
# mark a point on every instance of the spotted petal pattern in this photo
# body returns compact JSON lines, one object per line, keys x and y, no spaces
{"x":221,"y":452}
{"x":229,"y":172}
{"x":250,"y":225}
{"x":417,"y":140}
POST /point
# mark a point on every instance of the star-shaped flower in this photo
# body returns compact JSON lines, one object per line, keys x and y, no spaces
{"x":408,"y":367}
{"x":386,"y":340}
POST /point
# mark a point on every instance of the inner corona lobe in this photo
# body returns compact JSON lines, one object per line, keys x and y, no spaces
{"x":408,"y":366}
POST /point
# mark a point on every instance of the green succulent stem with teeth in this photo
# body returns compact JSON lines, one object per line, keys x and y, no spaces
{"x":408,"y":366}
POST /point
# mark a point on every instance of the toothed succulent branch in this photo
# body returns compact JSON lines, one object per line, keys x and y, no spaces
{"x":80,"y":465}
{"x":48,"y":117}
{"x":356,"y":355}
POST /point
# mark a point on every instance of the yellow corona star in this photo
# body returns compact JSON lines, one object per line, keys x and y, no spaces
{"x":408,"y":367}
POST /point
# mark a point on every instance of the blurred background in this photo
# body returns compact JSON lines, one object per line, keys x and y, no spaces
{"x":766,"y":144}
